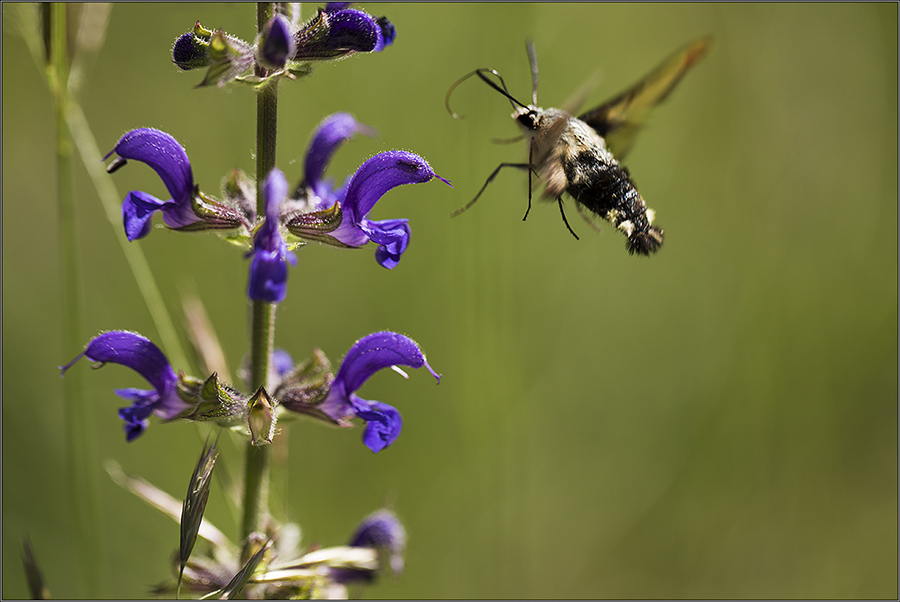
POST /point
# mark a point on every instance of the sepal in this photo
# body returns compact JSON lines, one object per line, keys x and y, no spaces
{"x":317,"y":225}
{"x":229,"y":58}
{"x":213,"y":214}
{"x":240,"y":192}
{"x":213,"y":400}
{"x":307,"y":386}
{"x":262,"y":418}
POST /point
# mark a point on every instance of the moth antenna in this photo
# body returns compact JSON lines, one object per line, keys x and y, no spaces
{"x":503,"y":90}
{"x":532,"y":60}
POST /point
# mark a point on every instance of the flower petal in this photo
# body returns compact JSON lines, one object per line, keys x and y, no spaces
{"x":275,"y":188}
{"x":375,"y":352}
{"x":334,"y":131}
{"x":133,"y":351}
{"x":388,"y":33}
{"x":353,"y":29}
{"x":379,"y":174}
{"x":277,"y":43}
{"x":268,"y":266}
{"x":164,"y":154}
{"x":137,"y":209}
{"x":268,"y":277}
{"x":383,"y":425}
{"x":282,"y":362}
{"x":392,"y":237}
{"x":136,"y":418}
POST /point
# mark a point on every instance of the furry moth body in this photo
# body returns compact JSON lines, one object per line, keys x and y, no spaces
{"x":574,"y":155}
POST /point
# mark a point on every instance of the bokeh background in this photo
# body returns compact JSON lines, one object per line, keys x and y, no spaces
{"x":717,"y":421}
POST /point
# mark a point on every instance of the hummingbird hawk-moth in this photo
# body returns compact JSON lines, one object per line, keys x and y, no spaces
{"x":580,"y":155}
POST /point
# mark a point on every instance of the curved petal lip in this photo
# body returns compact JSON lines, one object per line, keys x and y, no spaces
{"x":164,"y":155}
{"x":375,"y":352}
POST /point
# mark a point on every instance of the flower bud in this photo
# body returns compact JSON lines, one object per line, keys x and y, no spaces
{"x":276,"y":44}
{"x":190,"y":52}
{"x":383,"y":532}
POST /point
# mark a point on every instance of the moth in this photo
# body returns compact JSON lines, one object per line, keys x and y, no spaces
{"x":580,"y":155}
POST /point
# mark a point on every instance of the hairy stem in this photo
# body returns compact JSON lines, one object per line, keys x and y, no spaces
{"x":262,"y":314}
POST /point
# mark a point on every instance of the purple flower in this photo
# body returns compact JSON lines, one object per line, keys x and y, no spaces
{"x":367,"y":356}
{"x":358,"y":196}
{"x":168,"y":159}
{"x":137,"y":352}
{"x":268,"y":266}
{"x":338,"y":31}
{"x":276,"y":43}
{"x":188,"y":52}
{"x":381,"y":531}
{"x":282,"y":362}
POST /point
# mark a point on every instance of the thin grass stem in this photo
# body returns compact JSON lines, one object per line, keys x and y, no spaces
{"x":80,"y":431}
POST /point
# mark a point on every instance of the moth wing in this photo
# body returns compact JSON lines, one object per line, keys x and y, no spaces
{"x":619,"y":119}
{"x":546,"y":156}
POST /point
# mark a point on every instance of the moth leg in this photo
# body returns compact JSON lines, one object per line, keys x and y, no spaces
{"x":491,"y":179}
{"x":587,"y":218}
{"x":530,"y":171}
{"x":565,"y":221}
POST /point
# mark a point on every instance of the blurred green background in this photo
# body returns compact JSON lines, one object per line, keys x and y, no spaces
{"x":718,"y":421}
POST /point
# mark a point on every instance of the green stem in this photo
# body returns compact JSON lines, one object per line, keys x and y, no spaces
{"x":81,"y":437}
{"x":256,"y":476}
{"x":262,"y":327}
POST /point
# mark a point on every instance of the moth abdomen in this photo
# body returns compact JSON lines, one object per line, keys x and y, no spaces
{"x":646,"y":242}
{"x":603,"y":187}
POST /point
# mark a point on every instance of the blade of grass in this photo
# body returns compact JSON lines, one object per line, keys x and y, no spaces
{"x":134,"y":255}
{"x":80,"y":434}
